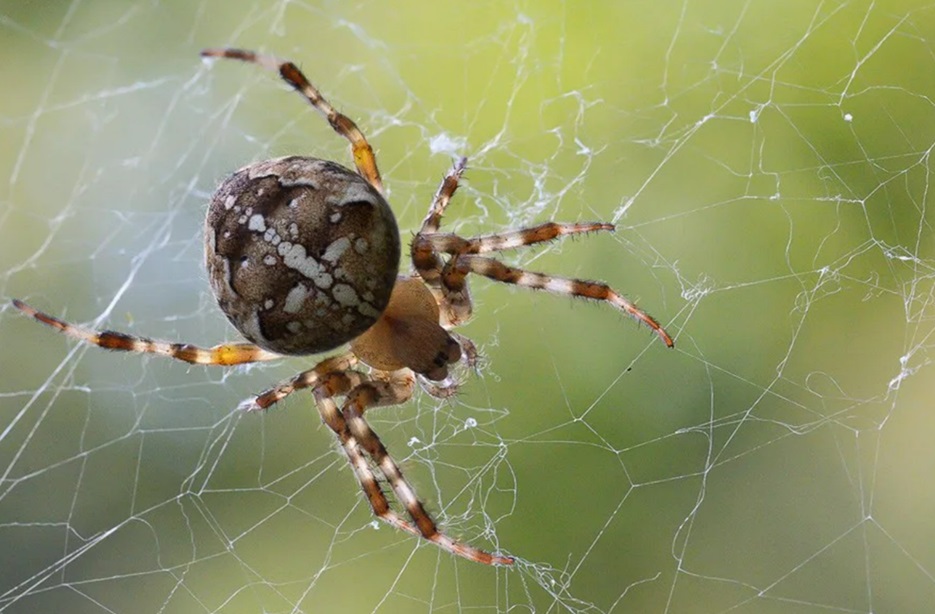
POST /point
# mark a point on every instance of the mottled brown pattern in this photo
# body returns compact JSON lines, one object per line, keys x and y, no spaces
{"x":315,"y":204}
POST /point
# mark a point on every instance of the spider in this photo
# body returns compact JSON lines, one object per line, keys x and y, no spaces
{"x":303,"y":258}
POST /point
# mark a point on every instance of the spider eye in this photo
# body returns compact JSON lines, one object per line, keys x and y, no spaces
{"x":302,"y":253}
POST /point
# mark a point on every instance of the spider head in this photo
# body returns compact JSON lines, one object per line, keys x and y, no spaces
{"x":408,"y":334}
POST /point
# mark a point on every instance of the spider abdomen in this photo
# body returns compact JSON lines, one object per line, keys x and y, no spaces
{"x":302,"y":253}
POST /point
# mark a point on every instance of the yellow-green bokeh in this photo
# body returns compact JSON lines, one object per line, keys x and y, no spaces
{"x":767,"y":166}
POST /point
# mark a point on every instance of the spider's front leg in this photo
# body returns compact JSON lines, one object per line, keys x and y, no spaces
{"x":454,"y":304}
{"x":362,"y":392}
{"x":457,"y":269}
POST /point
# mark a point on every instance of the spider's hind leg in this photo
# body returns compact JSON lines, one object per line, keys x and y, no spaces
{"x":364,"y":392}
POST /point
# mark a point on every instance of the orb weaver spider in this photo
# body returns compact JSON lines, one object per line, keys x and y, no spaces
{"x":303,"y":257}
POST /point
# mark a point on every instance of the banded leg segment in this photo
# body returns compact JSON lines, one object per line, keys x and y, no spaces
{"x":446,"y":190}
{"x":225,"y":354}
{"x":357,"y":438}
{"x":455,"y":308}
{"x":305,"y":379}
{"x":364,"y":158}
{"x":456,"y":272}
{"x":448,"y":277}
{"x":450,"y":243}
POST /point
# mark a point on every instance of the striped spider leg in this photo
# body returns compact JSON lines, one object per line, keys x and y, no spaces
{"x":329,"y":379}
{"x":358,"y":440}
{"x":364,"y":158}
{"x":226,"y":354}
{"x":449,"y":278}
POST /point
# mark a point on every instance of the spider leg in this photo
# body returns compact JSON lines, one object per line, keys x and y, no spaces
{"x":456,"y":271}
{"x":445,"y":389}
{"x":455,"y":302}
{"x":448,"y":387}
{"x":356,"y":437}
{"x":225,"y":354}
{"x":448,"y":281}
{"x":305,"y":379}
{"x":469,"y":352}
{"x":426,"y":260}
{"x":443,"y":196}
{"x":364,"y":158}
{"x":450,"y":243}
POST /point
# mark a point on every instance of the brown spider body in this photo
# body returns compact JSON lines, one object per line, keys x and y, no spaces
{"x":302,"y":254}
{"x":303,"y":257}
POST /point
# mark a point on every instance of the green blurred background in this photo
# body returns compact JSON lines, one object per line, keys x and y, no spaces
{"x":768,"y":167}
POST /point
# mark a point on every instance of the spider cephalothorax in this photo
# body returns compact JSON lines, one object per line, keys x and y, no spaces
{"x":303,"y":257}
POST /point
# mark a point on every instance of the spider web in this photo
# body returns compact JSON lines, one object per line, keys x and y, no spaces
{"x":768,"y":166}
